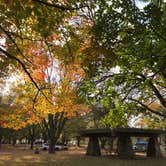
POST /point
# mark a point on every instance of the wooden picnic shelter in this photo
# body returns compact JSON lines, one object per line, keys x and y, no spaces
{"x":124,"y":143}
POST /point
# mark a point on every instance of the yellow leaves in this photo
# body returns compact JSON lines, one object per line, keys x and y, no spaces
{"x":64,"y":99}
{"x":19,"y":117}
{"x":13,"y":118}
{"x":20,"y":113}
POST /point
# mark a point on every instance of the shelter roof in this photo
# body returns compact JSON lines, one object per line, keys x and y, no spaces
{"x":107,"y":132}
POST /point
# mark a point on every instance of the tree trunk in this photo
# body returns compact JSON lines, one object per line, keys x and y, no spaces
{"x":54,"y":128}
{"x":0,"y":137}
{"x":9,"y":140}
{"x":103,"y":142}
{"x":51,"y":133}
{"x":78,"y":140}
{"x":14,"y":141}
{"x":52,"y":145}
{"x":111,"y":144}
{"x":32,"y":143}
{"x":0,"y":141}
{"x":32,"y":136}
{"x":64,"y":138}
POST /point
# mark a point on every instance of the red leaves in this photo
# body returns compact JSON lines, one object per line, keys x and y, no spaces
{"x":40,"y":64}
{"x":73,"y":72}
{"x":39,"y":75}
{"x":40,"y":61}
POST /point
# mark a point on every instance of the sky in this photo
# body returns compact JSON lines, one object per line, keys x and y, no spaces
{"x":141,"y":4}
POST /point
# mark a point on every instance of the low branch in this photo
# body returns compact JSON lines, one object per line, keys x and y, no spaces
{"x":60,"y":7}
{"x":46,"y":126}
{"x":22,"y":65}
{"x":147,"y":108}
{"x":13,"y":41}
{"x":155,"y":90}
{"x":104,"y":78}
{"x":34,"y":100}
{"x":158,"y":94}
{"x":25,"y":70}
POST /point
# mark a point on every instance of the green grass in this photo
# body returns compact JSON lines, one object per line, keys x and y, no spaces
{"x":70,"y":158}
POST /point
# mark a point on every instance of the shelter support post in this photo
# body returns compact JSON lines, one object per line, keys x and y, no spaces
{"x":124,"y":147}
{"x":153,"y":149}
{"x":93,"y":148}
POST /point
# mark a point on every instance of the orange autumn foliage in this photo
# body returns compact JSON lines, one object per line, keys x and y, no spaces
{"x":38,"y":58}
{"x":17,"y":117}
{"x":73,"y":71}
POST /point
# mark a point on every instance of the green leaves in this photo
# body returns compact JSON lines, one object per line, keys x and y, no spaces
{"x":116,"y":117}
{"x":137,"y":41}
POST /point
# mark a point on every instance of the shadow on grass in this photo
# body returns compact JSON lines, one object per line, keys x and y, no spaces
{"x":72,"y":158}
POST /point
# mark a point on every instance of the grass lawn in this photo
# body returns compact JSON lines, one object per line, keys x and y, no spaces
{"x":72,"y":157}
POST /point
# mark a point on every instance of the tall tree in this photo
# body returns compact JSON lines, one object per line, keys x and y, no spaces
{"x":34,"y":35}
{"x":135,"y":42}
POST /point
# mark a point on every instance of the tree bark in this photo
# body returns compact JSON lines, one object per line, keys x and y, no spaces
{"x":51,"y":133}
{"x":0,"y":137}
{"x":78,"y":140}
{"x":0,"y":141}
{"x":111,"y":144}
{"x":54,"y":128}
{"x":103,"y":142}
{"x":32,"y":136}
{"x":14,"y":141}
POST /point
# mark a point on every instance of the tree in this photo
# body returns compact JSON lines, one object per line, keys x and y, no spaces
{"x":59,"y":103}
{"x":135,"y":42}
{"x":71,"y":129}
{"x":65,"y":101}
{"x":37,"y":35}
{"x":26,"y":25}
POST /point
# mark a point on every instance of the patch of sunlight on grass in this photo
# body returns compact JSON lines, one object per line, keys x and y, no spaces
{"x":2,"y":162}
{"x":5,"y":157}
{"x":28,"y":158}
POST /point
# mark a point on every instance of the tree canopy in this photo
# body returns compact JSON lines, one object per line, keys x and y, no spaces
{"x":133,"y":67}
{"x":64,"y":54}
